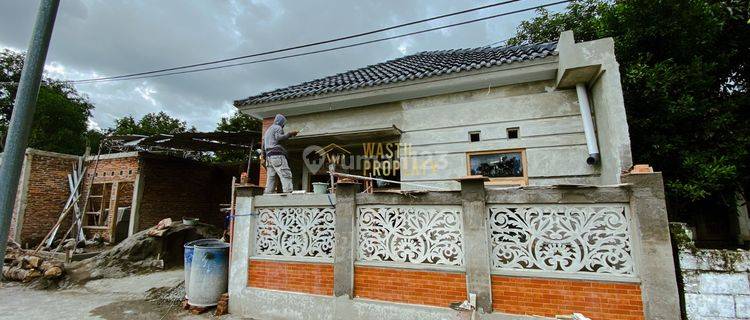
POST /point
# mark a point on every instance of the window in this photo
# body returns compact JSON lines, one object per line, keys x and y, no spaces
{"x":506,"y":167}
{"x":474,"y":136}
{"x":512,"y":133}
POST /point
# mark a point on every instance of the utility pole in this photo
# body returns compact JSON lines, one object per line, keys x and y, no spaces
{"x":23,"y":114}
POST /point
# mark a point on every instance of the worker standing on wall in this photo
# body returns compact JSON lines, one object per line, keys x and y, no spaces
{"x":276,"y":156}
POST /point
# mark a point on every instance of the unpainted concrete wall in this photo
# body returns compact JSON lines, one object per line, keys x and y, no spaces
{"x":649,"y":293}
{"x":437,"y":128}
{"x":605,"y":97}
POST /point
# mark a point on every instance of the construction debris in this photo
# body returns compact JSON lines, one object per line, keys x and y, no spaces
{"x":222,"y":307}
{"x":575,"y":316}
{"x":160,"y":228}
{"x":20,"y":274}
{"x":167,"y":295}
{"x":197,"y":310}
{"x":141,"y":253}
{"x":21,"y":265}
{"x":642,"y":168}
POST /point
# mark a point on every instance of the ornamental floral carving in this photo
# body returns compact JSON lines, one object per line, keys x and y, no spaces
{"x":295,"y":232}
{"x":411,"y":234}
{"x":585,"y":238}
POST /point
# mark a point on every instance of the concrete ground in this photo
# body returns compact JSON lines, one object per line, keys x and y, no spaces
{"x":111,"y":299}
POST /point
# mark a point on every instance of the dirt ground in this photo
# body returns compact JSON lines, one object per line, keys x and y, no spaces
{"x":121,"y":298}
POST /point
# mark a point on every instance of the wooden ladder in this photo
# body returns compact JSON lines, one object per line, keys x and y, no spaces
{"x":96,"y":205}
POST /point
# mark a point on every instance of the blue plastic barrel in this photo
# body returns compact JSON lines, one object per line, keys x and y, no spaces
{"x":189,"y":248}
{"x":209,"y":268}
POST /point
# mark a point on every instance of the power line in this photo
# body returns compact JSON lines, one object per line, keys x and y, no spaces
{"x":122,"y":78}
{"x":305,"y":45}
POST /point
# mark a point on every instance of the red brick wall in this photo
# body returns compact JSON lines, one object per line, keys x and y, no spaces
{"x":262,"y":177}
{"x":409,"y":286}
{"x":176,"y":188}
{"x":116,"y":169}
{"x":314,"y":278}
{"x":108,"y":170}
{"x":47,"y":193}
{"x":550,"y":297}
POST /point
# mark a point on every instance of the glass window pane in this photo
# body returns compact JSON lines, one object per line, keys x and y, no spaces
{"x":497,"y":165}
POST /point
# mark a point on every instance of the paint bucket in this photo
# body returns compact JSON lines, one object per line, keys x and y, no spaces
{"x":209,"y":270}
{"x":320,"y":187}
{"x":189,"y":248}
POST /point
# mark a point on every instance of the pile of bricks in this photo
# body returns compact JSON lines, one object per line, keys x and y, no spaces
{"x":222,"y":307}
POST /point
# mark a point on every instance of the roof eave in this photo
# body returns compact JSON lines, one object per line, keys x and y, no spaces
{"x":518,"y":72}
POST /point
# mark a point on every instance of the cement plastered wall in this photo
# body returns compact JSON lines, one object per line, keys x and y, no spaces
{"x":715,"y":282}
{"x":246,"y":301}
{"x":437,"y":128}
{"x":609,"y":111}
{"x":650,"y":247}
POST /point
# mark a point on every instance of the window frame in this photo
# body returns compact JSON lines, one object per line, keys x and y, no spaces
{"x":520,"y":181}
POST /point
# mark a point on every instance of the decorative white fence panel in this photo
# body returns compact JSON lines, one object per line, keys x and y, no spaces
{"x":295,"y":232}
{"x":592,"y":239}
{"x":411,"y":234}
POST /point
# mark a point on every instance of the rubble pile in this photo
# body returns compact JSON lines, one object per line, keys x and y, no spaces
{"x":146,"y":251}
{"x":169,"y":295}
{"x":24,"y":266}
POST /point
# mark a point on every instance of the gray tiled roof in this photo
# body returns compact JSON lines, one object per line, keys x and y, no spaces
{"x":417,"y":66}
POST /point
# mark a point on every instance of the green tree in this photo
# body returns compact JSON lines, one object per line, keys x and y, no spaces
{"x":93,"y":139}
{"x":61,"y":115}
{"x":685,"y":76}
{"x":238,"y":122}
{"x":151,"y":124}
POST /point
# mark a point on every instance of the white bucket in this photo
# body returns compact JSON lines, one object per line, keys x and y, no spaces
{"x":320,"y":187}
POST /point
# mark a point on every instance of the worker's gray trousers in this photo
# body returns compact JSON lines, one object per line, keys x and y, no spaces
{"x":277,"y":166}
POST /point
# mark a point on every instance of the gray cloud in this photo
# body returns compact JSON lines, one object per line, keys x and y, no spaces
{"x":102,"y":38}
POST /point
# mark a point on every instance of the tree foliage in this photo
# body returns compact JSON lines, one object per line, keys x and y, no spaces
{"x":685,"y":76}
{"x":61,"y":115}
{"x":238,"y":122}
{"x":151,"y":124}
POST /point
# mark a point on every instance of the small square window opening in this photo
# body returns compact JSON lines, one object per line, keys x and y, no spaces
{"x":512,"y":133}
{"x":474,"y":136}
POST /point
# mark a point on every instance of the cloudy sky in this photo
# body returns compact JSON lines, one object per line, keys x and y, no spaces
{"x":106,"y":37}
